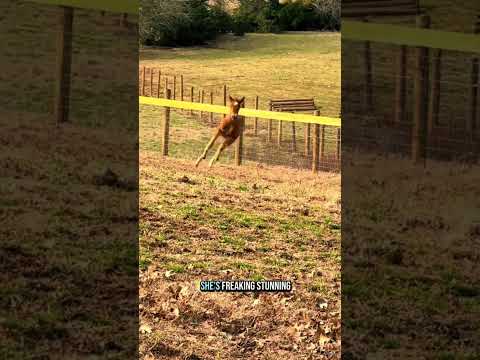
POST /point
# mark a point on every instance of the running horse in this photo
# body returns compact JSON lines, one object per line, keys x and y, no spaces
{"x":229,"y":129}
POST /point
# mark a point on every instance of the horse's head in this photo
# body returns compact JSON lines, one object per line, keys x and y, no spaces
{"x":236,"y":104}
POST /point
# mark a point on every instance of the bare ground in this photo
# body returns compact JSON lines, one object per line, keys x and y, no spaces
{"x":410,"y":257}
{"x":68,"y":264}
{"x":249,"y":222}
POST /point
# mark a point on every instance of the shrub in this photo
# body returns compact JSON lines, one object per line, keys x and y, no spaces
{"x":193,"y":22}
{"x":240,"y":27}
{"x":297,"y":16}
{"x":188,"y":22}
{"x":328,"y":13}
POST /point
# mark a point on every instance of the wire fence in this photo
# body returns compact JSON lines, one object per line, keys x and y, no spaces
{"x":272,"y":142}
{"x":415,"y":101}
{"x":104,"y":56}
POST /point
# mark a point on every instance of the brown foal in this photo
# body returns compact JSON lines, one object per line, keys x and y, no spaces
{"x":229,"y":128}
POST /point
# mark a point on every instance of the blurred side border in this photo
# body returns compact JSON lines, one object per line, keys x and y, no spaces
{"x":129,"y":6}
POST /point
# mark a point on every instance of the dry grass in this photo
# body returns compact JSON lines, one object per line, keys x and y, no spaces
{"x":68,"y":249}
{"x":238,"y":223}
{"x":410,"y":259}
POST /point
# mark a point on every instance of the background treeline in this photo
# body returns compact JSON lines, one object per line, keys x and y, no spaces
{"x":192,"y":22}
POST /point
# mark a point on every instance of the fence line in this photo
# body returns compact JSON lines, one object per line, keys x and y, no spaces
{"x":316,"y":154}
{"x":263,"y":114}
{"x":421,"y":57}
{"x":410,"y":36}
{"x":154,"y":84}
{"x":156,"y":76}
{"x":130,"y":7}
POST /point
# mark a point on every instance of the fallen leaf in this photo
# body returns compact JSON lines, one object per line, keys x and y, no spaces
{"x":322,"y":340}
{"x":145,"y":329}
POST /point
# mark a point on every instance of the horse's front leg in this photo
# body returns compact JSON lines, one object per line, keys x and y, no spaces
{"x":209,"y":145}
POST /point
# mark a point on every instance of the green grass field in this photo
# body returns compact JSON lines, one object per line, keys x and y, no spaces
{"x":268,"y":65}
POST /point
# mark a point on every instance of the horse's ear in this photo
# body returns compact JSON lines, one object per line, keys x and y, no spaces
{"x":231,"y":99}
{"x":242,"y":100}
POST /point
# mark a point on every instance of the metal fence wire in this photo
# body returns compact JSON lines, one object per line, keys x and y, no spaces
{"x":102,"y":48}
{"x":416,"y":102}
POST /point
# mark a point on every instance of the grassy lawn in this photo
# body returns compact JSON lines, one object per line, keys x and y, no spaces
{"x":102,"y":51}
{"x":268,"y":65}
{"x":301,"y":65}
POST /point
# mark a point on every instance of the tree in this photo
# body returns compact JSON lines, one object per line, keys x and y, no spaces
{"x":182,"y":22}
{"x":159,"y":19}
{"x":329,"y":11}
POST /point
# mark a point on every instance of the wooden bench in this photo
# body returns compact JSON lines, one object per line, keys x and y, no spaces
{"x":364,"y":8}
{"x":293,"y":106}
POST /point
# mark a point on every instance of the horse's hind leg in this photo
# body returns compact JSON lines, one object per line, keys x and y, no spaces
{"x":222,"y":147}
{"x":209,"y":145}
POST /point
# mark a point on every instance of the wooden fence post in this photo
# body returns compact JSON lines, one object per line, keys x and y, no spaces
{"x":255,"y":120}
{"x":124,"y":20}
{"x":181,"y":87}
{"x":224,"y":96}
{"x":339,"y":134}
{"x":151,"y":81}
{"x":191,"y":98}
{"x":279,"y":133}
{"x":322,"y":144}
{"x":166,"y":126}
{"x":159,"y":82}
{"x":316,"y":141}
{"x":64,"y":65}
{"x":143,"y":81}
{"x":239,"y":144}
{"x":202,"y":99}
{"x":307,"y":138}
{"x":211,"y":102}
{"x":400,"y":88}
{"x":420,"y":94}
{"x":368,"y":75}
{"x":166,"y":86}
{"x":476,"y":121}
{"x":434,"y":96}
{"x":473,"y":112}
{"x":245,"y":119}
{"x":174,"y":87}
{"x":269,"y":126}
{"x":294,"y":137}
